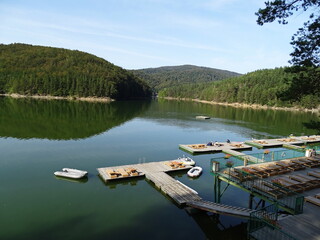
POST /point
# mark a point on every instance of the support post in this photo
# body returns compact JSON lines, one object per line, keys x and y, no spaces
{"x":217,"y":189}
{"x":251,"y":196}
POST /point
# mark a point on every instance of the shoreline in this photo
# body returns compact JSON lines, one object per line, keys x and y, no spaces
{"x":245,"y":105}
{"x":49,"y":97}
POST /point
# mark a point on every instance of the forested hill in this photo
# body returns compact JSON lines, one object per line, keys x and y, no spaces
{"x":265,"y":87}
{"x":37,"y":70}
{"x":162,"y":77}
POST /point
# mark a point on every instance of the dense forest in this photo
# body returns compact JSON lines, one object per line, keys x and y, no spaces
{"x":163,"y":77}
{"x":265,"y":87}
{"x":37,"y":70}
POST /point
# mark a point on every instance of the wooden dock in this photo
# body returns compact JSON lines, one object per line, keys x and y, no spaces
{"x":305,"y":225}
{"x":243,"y":156}
{"x":268,"y":143}
{"x":217,"y":147}
{"x":156,"y":172}
{"x":142,"y":169}
{"x":221,"y":208}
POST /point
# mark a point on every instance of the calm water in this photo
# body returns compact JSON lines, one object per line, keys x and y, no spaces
{"x":40,"y":137}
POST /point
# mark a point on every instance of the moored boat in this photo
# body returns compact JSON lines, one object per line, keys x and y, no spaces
{"x":71,"y":173}
{"x":72,"y":170}
{"x":187,"y":161}
{"x":194,"y":172}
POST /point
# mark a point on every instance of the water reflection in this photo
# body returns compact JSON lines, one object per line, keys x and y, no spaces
{"x":264,"y":122}
{"x":213,"y":228}
{"x":63,"y":120}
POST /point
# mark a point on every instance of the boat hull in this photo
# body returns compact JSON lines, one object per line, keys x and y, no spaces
{"x":194,"y":172}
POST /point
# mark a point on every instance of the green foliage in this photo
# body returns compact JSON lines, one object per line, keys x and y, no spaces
{"x":37,"y":70}
{"x":163,"y":77}
{"x":304,"y":87}
{"x":306,"y":42}
{"x":259,"y":87}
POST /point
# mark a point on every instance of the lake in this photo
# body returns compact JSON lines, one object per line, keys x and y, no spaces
{"x":39,"y":137}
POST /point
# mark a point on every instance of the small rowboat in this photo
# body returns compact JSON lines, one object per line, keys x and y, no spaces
{"x":194,"y":172}
{"x":71,"y":173}
{"x":72,"y":170}
{"x":187,"y":161}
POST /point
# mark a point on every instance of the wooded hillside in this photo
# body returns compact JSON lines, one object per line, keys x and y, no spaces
{"x":162,"y":77}
{"x":37,"y":70}
{"x":265,"y":87}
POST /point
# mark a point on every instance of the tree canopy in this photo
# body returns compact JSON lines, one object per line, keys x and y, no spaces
{"x":163,"y":77}
{"x":260,"y":87}
{"x":37,"y":70}
{"x":306,"y":42}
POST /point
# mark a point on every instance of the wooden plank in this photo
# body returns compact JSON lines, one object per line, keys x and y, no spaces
{"x":219,"y":208}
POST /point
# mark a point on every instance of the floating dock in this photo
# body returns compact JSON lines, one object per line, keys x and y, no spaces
{"x":306,"y":224}
{"x":268,"y":143}
{"x":141,"y":169}
{"x":303,"y":183}
{"x":243,"y":156}
{"x":214,"y":148}
{"x":156,"y":172}
{"x":202,"y":117}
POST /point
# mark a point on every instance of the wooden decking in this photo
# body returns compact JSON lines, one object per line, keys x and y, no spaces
{"x":302,"y":226}
{"x":221,"y":208}
{"x":243,"y":156}
{"x":181,"y":194}
{"x":267,"y":143}
{"x":305,"y":225}
{"x":218,"y":147}
{"x":142,"y":169}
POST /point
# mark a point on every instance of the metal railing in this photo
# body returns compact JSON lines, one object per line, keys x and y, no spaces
{"x":263,"y":225}
{"x":281,"y":196}
{"x":254,"y":158}
{"x":278,"y":155}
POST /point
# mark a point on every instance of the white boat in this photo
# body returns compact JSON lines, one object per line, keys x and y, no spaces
{"x":202,"y":117}
{"x":194,"y":172}
{"x":71,"y":173}
{"x":72,"y":170}
{"x":187,"y":161}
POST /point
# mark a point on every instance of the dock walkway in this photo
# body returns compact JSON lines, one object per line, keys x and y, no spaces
{"x":156,"y":172}
{"x":221,"y":208}
{"x":280,"y":142}
{"x":215,"y":148}
{"x":242,"y":156}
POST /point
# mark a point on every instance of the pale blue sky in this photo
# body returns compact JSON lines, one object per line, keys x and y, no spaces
{"x":152,"y":33}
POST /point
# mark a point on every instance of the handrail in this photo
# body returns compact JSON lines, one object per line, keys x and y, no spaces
{"x":281,"y":196}
{"x":263,"y":221}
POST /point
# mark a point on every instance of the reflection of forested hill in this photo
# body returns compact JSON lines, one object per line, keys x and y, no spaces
{"x":271,"y":122}
{"x":63,"y":120}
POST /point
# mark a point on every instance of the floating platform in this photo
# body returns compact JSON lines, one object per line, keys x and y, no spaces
{"x":309,"y":139}
{"x":202,"y":117}
{"x":243,"y":156}
{"x":181,"y":194}
{"x":217,"y":147}
{"x":139,"y":170}
{"x":268,"y":143}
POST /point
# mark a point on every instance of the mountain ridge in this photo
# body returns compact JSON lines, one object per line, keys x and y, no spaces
{"x":168,"y":76}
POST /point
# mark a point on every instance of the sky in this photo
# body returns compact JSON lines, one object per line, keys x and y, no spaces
{"x":136,"y":34}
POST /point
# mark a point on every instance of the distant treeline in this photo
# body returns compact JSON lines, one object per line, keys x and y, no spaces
{"x":37,"y":70}
{"x":265,"y":87}
{"x":163,"y":77}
